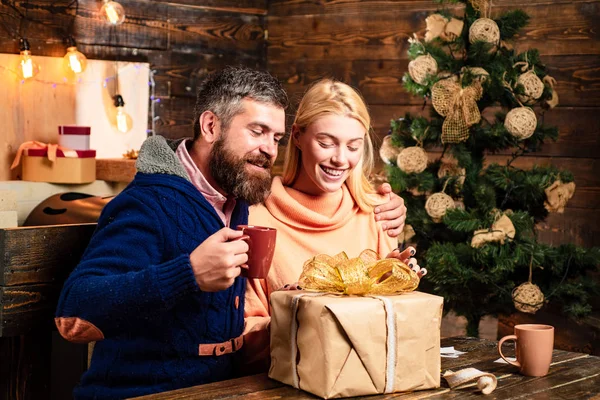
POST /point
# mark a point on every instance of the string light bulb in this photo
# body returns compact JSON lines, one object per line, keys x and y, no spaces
{"x":113,"y":12}
{"x":122,"y":118}
{"x":27,"y":67}
{"x":74,"y":62}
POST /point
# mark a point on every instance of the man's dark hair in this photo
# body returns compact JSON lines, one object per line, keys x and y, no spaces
{"x":222,"y":93}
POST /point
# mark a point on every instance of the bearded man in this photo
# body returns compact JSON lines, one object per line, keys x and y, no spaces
{"x":158,"y":287}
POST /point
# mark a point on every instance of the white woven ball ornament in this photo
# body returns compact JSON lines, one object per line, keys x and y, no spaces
{"x":388,"y":152}
{"x":412,"y":160}
{"x":437,"y":204}
{"x":421,"y":67}
{"x":484,"y":30}
{"x":479,"y":74}
{"x":521,"y":122}
{"x":528,"y":298}
{"x":534,"y":87}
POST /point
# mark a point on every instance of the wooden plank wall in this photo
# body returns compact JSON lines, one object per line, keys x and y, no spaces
{"x":364,"y":43}
{"x":183,"y":40}
{"x":361,"y":42}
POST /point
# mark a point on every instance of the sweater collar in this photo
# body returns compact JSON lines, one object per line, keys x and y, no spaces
{"x":157,"y":156}
{"x":303,"y":211}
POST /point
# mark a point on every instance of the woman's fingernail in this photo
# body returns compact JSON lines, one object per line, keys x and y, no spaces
{"x":299,"y":288}
{"x":376,"y":210}
{"x":384,"y":227}
{"x":286,"y":285}
{"x":410,"y":265}
{"x":412,"y":252}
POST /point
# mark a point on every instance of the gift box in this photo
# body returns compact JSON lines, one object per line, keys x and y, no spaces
{"x":69,"y":166}
{"x":339,"y":346}
{"x":74,"y":137}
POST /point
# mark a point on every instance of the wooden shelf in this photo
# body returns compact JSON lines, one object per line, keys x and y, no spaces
{"x":115,"y":169}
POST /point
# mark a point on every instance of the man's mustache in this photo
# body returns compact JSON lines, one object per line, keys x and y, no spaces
{"x":260,"y":160}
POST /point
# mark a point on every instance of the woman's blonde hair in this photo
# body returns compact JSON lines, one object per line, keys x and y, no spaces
{"x":330,"y":97}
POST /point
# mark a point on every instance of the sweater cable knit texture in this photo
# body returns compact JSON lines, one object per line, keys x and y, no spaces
{"x":136,"y":285}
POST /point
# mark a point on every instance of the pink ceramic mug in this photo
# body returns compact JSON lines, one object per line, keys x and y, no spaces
{"x":261,"y":241}
{"x":533,"y":348}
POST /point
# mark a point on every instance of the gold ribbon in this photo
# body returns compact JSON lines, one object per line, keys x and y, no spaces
{"x":366,"y":274}
{"x":35,"y":145}
{"x":458,"y":105}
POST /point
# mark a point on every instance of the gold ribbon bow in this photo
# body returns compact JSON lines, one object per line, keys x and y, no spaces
{"x":458,"y":105}
{"x":35,"y":145}
{"x":366,"y":274}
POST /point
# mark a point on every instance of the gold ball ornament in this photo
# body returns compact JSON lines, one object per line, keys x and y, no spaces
{"x":528,"y":298}
{"x":412,"y":160}
{"x":421,"y":67}
{"x":484,"y":30}
{"x":437,"y":204}
{"x":388,"y":152}
{"x":534,"y":87}
{"x":521,"y":122}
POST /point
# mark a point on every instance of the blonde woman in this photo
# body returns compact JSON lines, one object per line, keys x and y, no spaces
{"x":323,"y":203}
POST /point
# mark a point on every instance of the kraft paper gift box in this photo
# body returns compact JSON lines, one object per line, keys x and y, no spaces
{"x":80,"y":169}
{"x":339,"y":346}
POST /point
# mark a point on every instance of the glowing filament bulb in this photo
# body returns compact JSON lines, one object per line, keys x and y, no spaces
{"x":113,"y":12}
{"x":75,"y":64}
{"x":123,"y":119}
{"x":27,"y":67}
{"x":74,"y":61}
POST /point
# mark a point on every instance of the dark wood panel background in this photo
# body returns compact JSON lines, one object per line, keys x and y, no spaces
{"x":361,"y":42}
{"x":364,"y":43}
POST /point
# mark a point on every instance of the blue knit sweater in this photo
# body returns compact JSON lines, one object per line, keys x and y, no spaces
{"x":136,"y":285}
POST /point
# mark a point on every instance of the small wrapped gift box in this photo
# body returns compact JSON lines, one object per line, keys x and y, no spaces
{"x":74,"y":137}
{"x":365,"y":340}
{"x":76,"y":166}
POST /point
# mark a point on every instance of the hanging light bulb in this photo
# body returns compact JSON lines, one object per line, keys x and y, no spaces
{"x":74,"y":62}
{"x":113,"y":12}
{"x":27,"y":68}
{"x":123,"y":119}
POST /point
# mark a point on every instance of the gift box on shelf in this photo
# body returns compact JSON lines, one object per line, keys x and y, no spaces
{"x":336,"y":345}
{"x":64,"y":166}
{"x":74,"y":137}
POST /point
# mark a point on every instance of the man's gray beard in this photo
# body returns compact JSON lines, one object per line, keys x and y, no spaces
{"x":231,"y":175}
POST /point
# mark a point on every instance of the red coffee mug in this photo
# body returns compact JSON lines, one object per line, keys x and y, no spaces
{"x":261,"y":243}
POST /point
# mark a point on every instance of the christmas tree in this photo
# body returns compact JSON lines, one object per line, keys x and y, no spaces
{"x":473,"y":223}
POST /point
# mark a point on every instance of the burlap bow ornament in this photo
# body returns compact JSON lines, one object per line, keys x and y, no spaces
{"x":439,"y":26}
{"x":501,"y":229}
{"x":458,"y":105}
{"x":366,"y":274}
{"x":558,"y":195}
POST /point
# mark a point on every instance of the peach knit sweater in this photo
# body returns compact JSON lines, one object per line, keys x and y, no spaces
{"x":306,"y":226}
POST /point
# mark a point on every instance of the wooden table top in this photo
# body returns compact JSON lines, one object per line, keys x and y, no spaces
{"x":571,"y":376}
